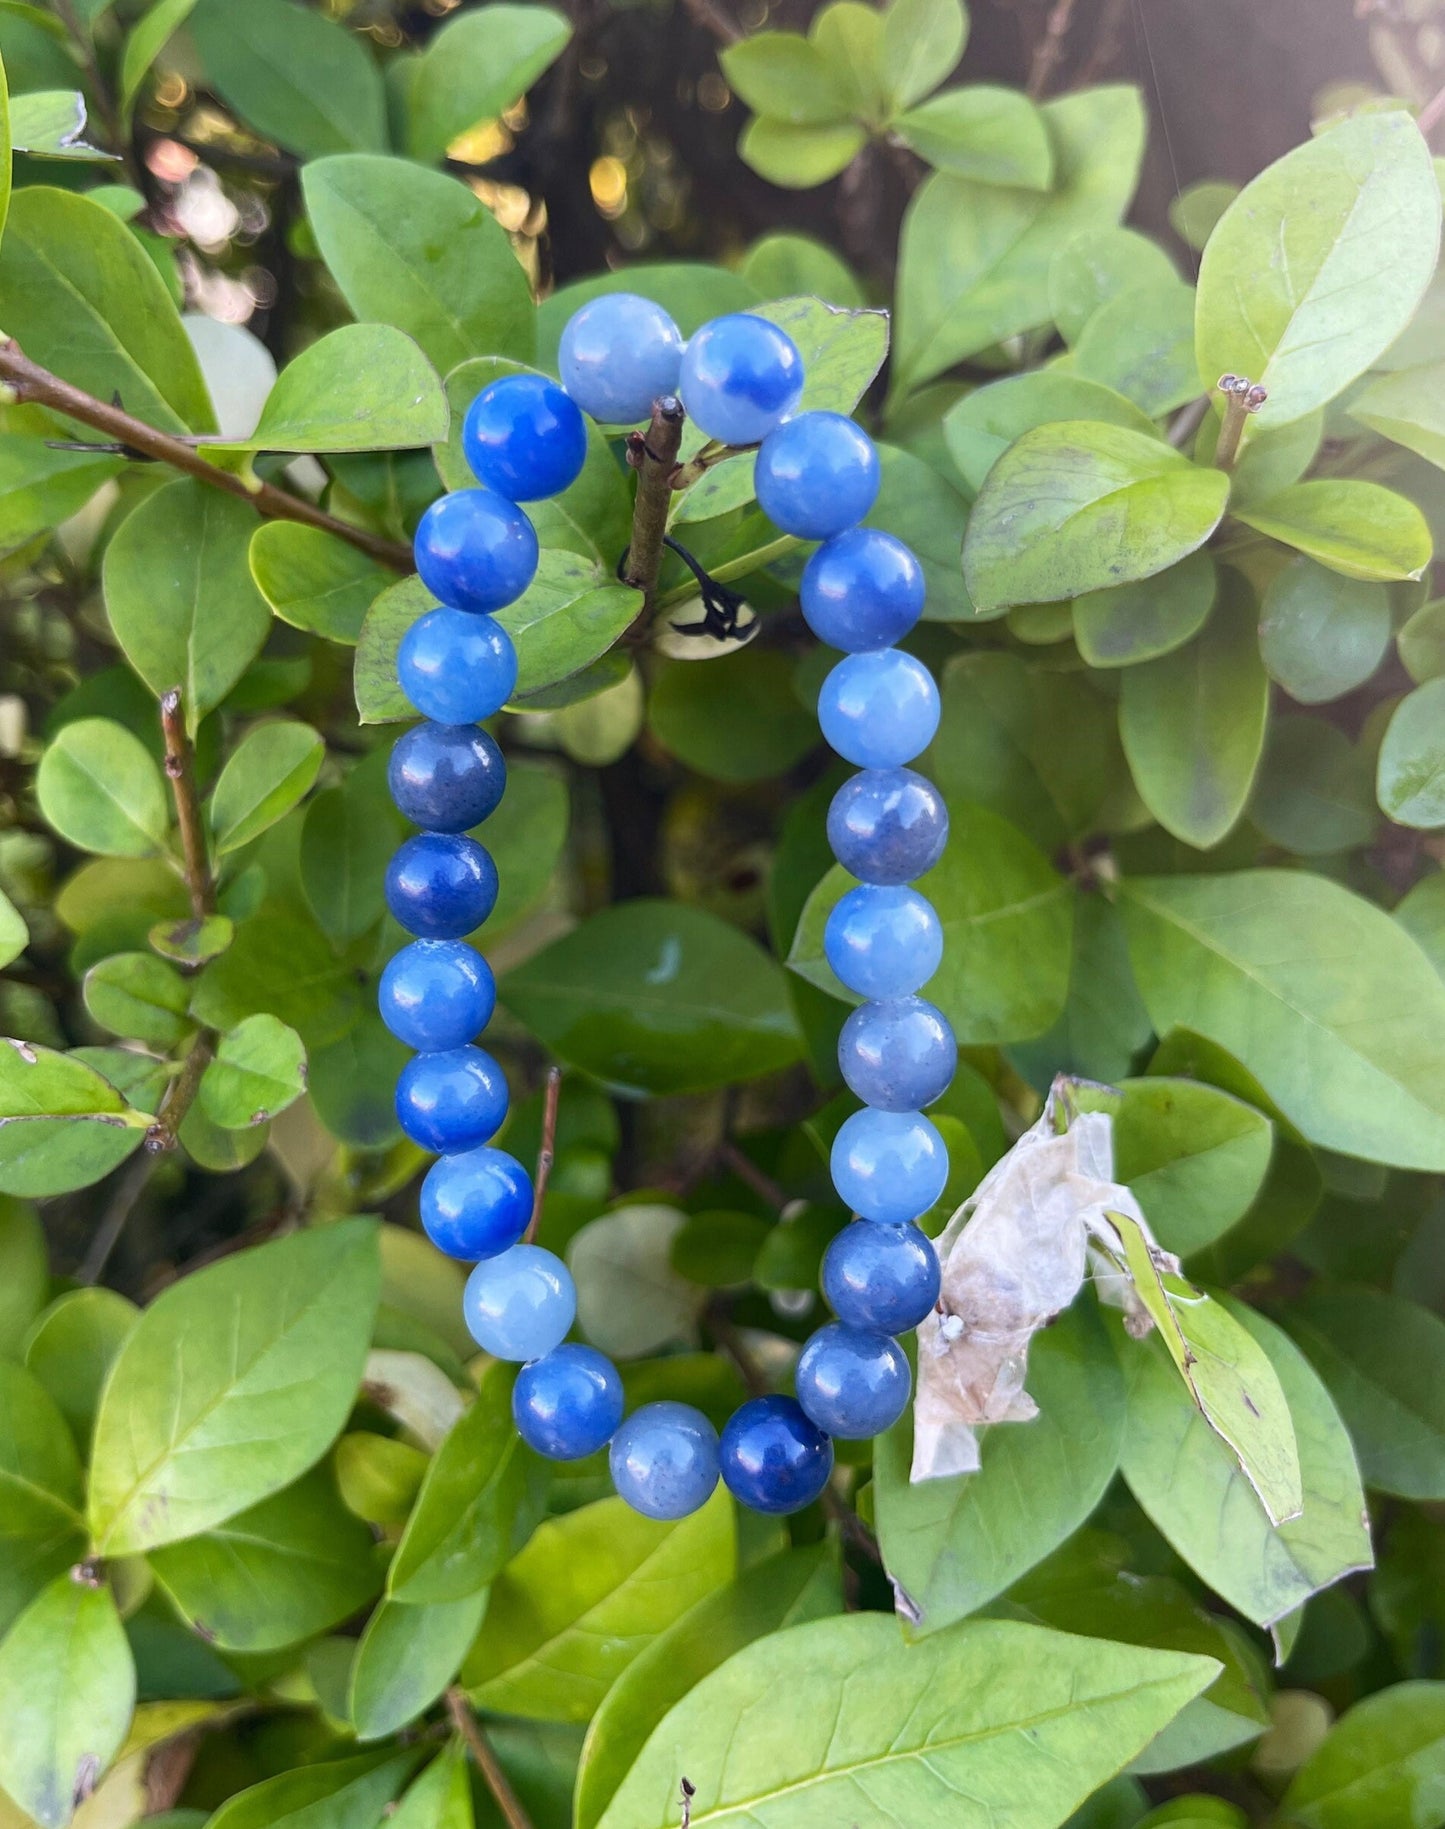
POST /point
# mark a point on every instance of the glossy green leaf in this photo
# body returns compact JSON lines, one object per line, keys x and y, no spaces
{"x":62,"y":1125}
{"x":269,"y":771}
{"x":1384,"y":1762}
{"x":41,"y":1531}
{"x":406,"y":1658}
{"x":850,"y":36}
{"x":1352,"y":527}
{"x":981,"y":426}
{"x":1314,"y":794}
{"x":1194,"y":1157}
{"x":51,"y":125}
{"x":993,"y":135}
{"x":24,"y":1273}
{"x":1142,"y":345}
{"x":347,"y":839}
{"x":315,"y":581}
{"x":785,"y":266}
{"x":1103,"y":1024}
{"x":1407,"y":406}
{"x":526,"y":837}
{"x":1128,"y":623}
{"x":1421,"y":642}
{"x":474,"y":68}
{"x":442,"y":1797}
{"x":99,"y":787}
{"x":280,"y":963}
{"x":139,"y":998}
{"x":1411,"y":777}
{"x":786,"y":77}
{"x":6,"y":148}
{"x":40,"y":488}
{"x":797,"y":158}
{"x":738,"y":720}
{"x":192,"y":941}
{"x":1199,"y":1811}
{"x":924,"y":510}
{"x":293,"y":74}
{"x":1099,"y":265}
{"x":259,"y":1069}
{"x":71,"y":1349}
{"x":921,"y":42}
{"x":324,"y":1794}
{"x":148,"y":37}
{"x":1422,"y":915}
{"x":1322,"y":634}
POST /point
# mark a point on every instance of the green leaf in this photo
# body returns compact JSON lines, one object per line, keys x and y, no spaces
{"x":526,"y":837}
{"x":191,"y":941}
{"x":24,"y":1273}
{"x":1189,"y":1482}
{"x":1194,"y":1157}
{"x":921,"y":44}
{"x":1020,"y":1722}
{"x":691,"y":292}
{"x":81,"y":296}
{"x":40,"y":487}
{"x":62,"y":1125}
{"x":1095,"y":267}
{"x":259,"y":1069}
{"x":6,"y":148}
{"x":739,"y":721}
{"x":475,"y":68}
{"x":981,"y":426}
{"x":442,"y":1797}
{"x":1352,"y":527}
{"x":418,"y":250}
{"x":293,"y":75}
{"x":1321,"y":634}
{"x":1142,"y":344}
{"x":797,"y":158}
{"x":924,"y":510}
{"x":787,"y":78}
{"x":1128,"y":623}
{"x":1192,"y":723}
{"x":1421,"y":642}
{"x":630,"y":1300}
{"x":41,"y":1533}
{"x":989,"y":134}
{"x":71,"y":1348}
{"x":280,"y":963}
{"x":325,"y":1794}
{"x":952,"y":1544}
{"x":1411,"y":778}
{"x":585,"y":1597}
{"x":51,"y":125}
{"x":138,"y":997}
{"x":1104,"y":1023}
{"x":1314,"y":794}
{"x":347,"y":839}
{"x":180,"y":597}
{"x":1383,"y":1762}
{"x":1076,"y":506}
{"x":406,"y":1658}
{"x":315,"y":581}
{"x":1355,"y":1059}
{"x":233,"y":1382}
{"x":1318,"y":265}
{"x":1199,"y":1811}
{"x":1409,"y":407}
{"x":147,"y":39}
{"x":267,"y":773}
{"x":657,"y":996}
{"x":100,"y":789}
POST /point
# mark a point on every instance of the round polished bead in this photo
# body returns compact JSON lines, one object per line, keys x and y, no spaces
{"x":816,"y":475}
{"x":773,"y":1458}
{"x":520,"y":1304}
{"x":456,"y":667}
{"x":568,"y":1404}
{"x":441,"y":885}
{"x":882,"y":1277}
{"x":852,"y":1382}
{"x":664,"y":1460}
{"x":476,"y":1204}
{"x":899,"y":1055}
{"x":524,"y":438}
{"x":879,"y":710}
{"x":883,"y":942}
{"x":887,"y":825}
{"x":475,"y":550}
{"x":889,"y":1166}
{"x":619,"y":353}
{"x":436,"y":994}
{"x":446,"y":777}
{"x":741,"y":376}
{"x":452,"y":1100}
{"x":862,"y":590}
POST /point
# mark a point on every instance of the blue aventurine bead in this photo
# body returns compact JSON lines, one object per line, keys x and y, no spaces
{"x":816,"y":475}
{"x":619,"y":353}
{"x":441,"y":885}
{"x":883,"y":942}
{"x":436,"y":994}
{"x":773,"y":1458}
{"x":568,"y":1404}
{"x":451,"y":1101}
{"x":664,"y":1460}
{"x":524,"y":438}
{"x":476,"y":1204}
{"x":879,"y":710}
{"x":853,"y":1383}
{"x":456,"y":667}
{"x":519,"y":1305}
{"x":741,"y":376}
{"x":475,"y":550}
{"x":862,"y":590}
{"x":887,"y":825}
{"x":889,"y":1166}
{"x":883,"y":1277}
{"x":898,"y":1055}
{"x":446,"y":777}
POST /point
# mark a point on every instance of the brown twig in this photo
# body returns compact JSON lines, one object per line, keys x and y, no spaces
{"x":1050,"y":47}
{"x":712,"y":18}
{"x":748,"y":1171}
{"x":490,"y":1767}
{"x":547,"y":1154}
{"x":1241,"y":398}
{"x":181,"y":772}
{"x":1432,"y":113}
{"x":653,"y":454}
{"x":1108,"y":40}
{"x":30,"y":383}
{"x":1187,"y":421}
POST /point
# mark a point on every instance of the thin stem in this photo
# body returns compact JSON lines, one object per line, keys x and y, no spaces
{"x":180,"y":769}
{"x":748,"y":1171}
{"x":712,"y":18}
{"x":29,"y":382}
{"x":100,"y":92}
{"x":1432,"y":113}
{"x":547,"y":1154}
{"x":708,"y":458}
{"x":1050,"y":47}
{"x":490,"y":1767}
{"x":1241,"y":398}
{"x":1187,"y":421}
{"x":654,"y":457}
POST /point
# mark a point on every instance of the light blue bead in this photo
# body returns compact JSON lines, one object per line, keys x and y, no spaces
{"x":816,"y":475}
{"x":879,"y":710}
{"x":889,"y":1166}
{"x":852,"y":1383}
{"x":519,"y":1305}
{"x":862,"y":590}
{"x":456,"y":667}
{"x":899,"y":1055}
{"x":436,"y":994}
{"x":741,"y":376}
{"x":883,"y":942}
{"x":887,"y":825}
{"x":664,"y":1460}
{"x":620,"y":353}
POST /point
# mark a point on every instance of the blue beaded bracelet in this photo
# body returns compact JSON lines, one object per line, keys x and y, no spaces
{"x":741,"y":380}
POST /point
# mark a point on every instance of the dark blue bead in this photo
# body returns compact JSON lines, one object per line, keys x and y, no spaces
{"x":899,"y":1054}
{"x":568,"y":1404}
{"x":475,"y":550}
{"x":773,"y":1459}
{"x":664,"y":1460}
{"x":887,"y":825}
{"x":456,"y":667}
{"x":441,"y":885}
{"x":446,"y":777}
{"x":884,"y":1277}
{"x":741,"y":376}
{"x":853,"y":1383}
{"x":451,"y":1101}
{"x":436,"y":994}
{"x":477,"y":1204}
{"x":862,"y":590}
{"x":817,"y":475}
{"x":619,"y":353}
{"x":524,"y":438}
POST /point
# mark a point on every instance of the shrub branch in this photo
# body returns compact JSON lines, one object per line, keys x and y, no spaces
{"x":653,"y":454}
{"x":490,"y":1767}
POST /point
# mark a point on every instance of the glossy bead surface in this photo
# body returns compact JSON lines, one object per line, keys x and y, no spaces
{"x":898,"y":1055}
{"x":436,"y":994}
{"x":519,"y":1305}
{"x":568,"y":1404}
{"x":879,"y":710}
{"x":441,"y":885}
{"x":451,"y":1101}
{"x":862,"y":590}
{"x":475,"y":550}
{"x":455,"y":667}
{"x":889,"y":1166}
{"x":619,"y":353}
{"x":773,"y":1458}
{"x":741,"y":376}
{"x":817,"y":475}
{"x":446,"y":777}
{"x":476,"y":1204}
{"x":664,"y":1460}
{"x":887,"y":825}
{"x":853,"y":1382}
{"x":883,"y":1277}
{"x":524,"y":438}
{"x":883,"y":942}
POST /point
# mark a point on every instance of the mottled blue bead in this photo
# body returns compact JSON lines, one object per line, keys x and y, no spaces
{"x":456,"y":667}
{"x":524,"y":438}
{"x":879,"y":710}
{"x":476,"y":1204}
{"x":475,"y":550}
{"x":664,"y":1460}
{"x":441,"y":885}
{"x":889,"y":1166}
{"x":446,"y":777}
{"x":436,"y":994}
{"x":899,"y":1054}
{"x":883,"y":1277}
{"x":519,"y":1304}
{"x":741,"y":376}
{"x":619,"y":353}
{"x":816,"y":475}
{"x":883,"y":942}
{"x":568,"y":1404}
{"x":853,"y":1383}
{"x":862,"y":590}
{"x":773,"y":1458}
{"x":887,"y":825}
{"x":451,"y":1101}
